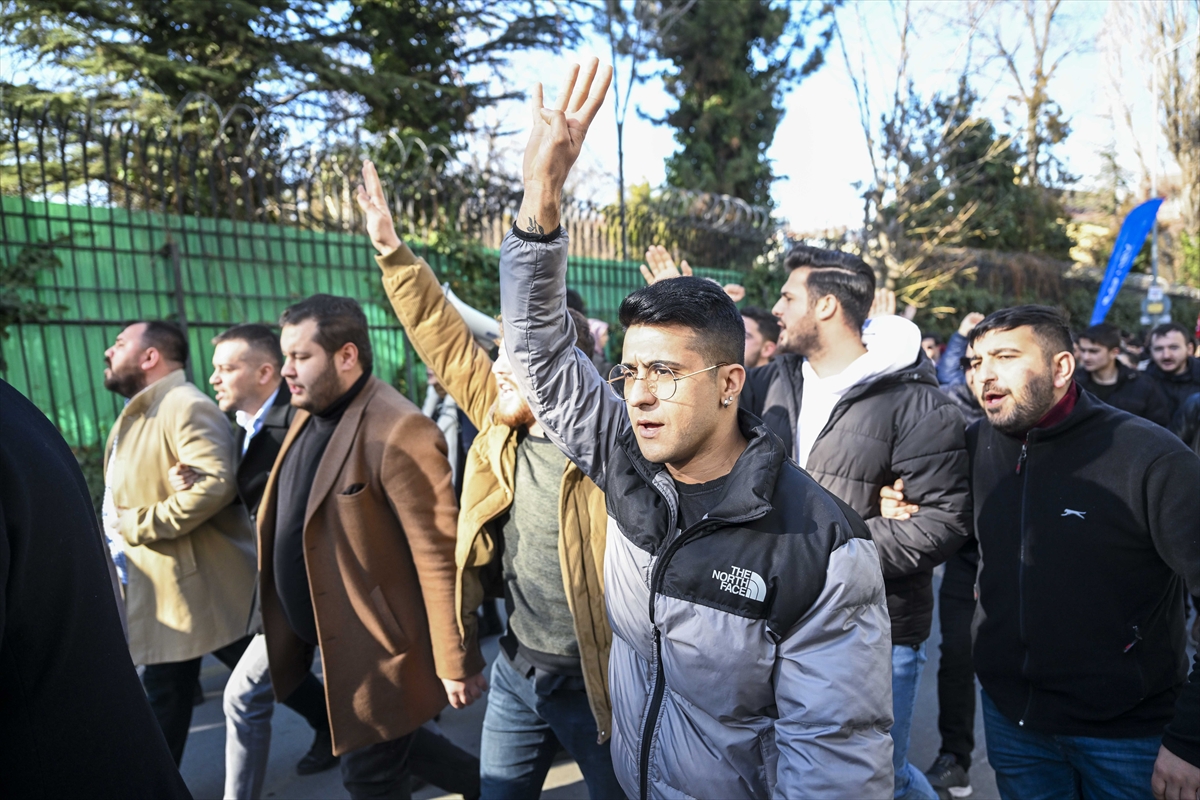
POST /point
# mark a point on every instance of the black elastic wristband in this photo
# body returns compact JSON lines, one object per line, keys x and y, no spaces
{"x":541,"y":238}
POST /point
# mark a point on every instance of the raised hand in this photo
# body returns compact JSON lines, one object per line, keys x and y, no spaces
{"x":736,"y":292}
{"x":884,"y":304}
{"x":660,"y":266}
{"x":555,"y":141}
{"x":374,"y":206}
{"x":969,"y":322}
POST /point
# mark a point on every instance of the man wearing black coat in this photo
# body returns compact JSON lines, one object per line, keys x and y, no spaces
{"x":860,"y":409}
{"x":1114,"y":383}
{"x":74,"y":719}
{"x":1173,"y":365}
{"x":246,"y":365}
{"x":1088,"y":522}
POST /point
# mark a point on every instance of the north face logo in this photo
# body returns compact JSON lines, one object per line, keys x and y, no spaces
{"x":742,"y":582}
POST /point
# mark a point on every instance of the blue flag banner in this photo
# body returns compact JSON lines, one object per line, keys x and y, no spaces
{"x":1129,"y":243}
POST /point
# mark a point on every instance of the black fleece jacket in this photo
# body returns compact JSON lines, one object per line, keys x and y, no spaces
{"x":1134,"y":392}
{"x":1177,"y":388}
{"x":1088,"y":531}
{"x":900,"y":425}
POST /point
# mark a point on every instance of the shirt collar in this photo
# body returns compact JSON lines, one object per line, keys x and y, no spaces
{"x":251,"y":424}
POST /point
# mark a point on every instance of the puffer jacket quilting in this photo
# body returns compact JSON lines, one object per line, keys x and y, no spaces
{"x":751,"y":653}
{"x":899,"y":425}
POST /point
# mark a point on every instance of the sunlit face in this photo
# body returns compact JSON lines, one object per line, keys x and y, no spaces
{"x":1170,"y":352}
{"x":1094,"y":356}
{"x":123,"y":373}
{"x":239,"y":375}
{"x":1014,"y":378}
{"x":798,"y":331}
{"x":759,"y":349}
{"x":511,"y":408}
{"x":310,"y":372}
{"x":676,"y":430}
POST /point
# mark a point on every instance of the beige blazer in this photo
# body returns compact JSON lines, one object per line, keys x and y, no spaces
{"x":190,"y":554}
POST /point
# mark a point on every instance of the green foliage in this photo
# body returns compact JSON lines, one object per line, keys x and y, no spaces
{"x":17,"y":278}
{"x":732,"y":62}
{"x":91,"y":462}
{"x":975,"y":165}
{"x":1189,"y":268}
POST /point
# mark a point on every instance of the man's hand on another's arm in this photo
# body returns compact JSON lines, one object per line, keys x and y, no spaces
{"x":462,"y":693}
{"x":374,"y":206}
{"x":555,"y":141}
{"x":892,"y":504}
{"x":182,"y":477}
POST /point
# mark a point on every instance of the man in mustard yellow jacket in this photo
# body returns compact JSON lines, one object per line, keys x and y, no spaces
{"x":527,"y":516}
{"x":186,"y":559}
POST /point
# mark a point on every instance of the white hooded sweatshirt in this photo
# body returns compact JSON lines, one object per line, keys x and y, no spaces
{"x":893,"y":343}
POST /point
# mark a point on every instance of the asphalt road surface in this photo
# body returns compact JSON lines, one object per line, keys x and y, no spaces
{"x":204,"y":763}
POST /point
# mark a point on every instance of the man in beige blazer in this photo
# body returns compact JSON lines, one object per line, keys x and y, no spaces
{"x":356,"y":535}
{"x":186,"y":559}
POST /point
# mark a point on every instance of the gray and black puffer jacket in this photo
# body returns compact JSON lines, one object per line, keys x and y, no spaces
{"x":751,"y":655}
{"x":898,"y":425}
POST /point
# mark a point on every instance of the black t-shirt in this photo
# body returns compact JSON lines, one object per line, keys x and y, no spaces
{"x":1101,"y":390}
{"x":296,"y":475}
{"x":697,"y":499}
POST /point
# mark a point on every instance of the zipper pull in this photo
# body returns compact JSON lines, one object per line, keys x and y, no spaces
{"x":1024,"y":453}
{"x":1137,"y":637}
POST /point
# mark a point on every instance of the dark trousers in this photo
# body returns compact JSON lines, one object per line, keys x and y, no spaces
{"x":437,"y":760}
{"x":379,"y":771}
{"x":170,"y":688}
{"x":956,"y":673}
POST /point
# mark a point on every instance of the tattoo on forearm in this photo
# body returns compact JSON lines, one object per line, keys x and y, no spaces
{"x":534,"y":227}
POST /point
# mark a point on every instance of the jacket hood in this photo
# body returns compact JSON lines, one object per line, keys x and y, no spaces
{"x":893,"y":343}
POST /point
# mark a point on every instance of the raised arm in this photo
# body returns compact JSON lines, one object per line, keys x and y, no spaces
{"x":437,"y":331}
{"x":568,"y":397}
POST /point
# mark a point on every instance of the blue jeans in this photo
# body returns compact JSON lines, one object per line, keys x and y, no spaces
{"x":907,"y":664}
{"x":1038,"y":766}
{"x":522,"y":729}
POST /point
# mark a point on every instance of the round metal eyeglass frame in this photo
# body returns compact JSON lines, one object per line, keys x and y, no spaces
{"x":655,"y":375}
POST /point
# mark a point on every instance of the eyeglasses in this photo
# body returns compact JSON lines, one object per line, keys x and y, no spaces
{"x":661,"y":381}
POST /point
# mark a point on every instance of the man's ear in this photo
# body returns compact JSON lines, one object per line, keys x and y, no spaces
{"x":266,"y":374}
{"x":827,"y":308}
{"x":768,"y":349}
{"x":151,"y":358}
{"x":346,"y":357}
{"x":731,"y":379}
{"x":1064,"y":368}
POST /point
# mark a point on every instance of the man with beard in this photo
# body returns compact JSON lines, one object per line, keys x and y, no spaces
{"x":1173,"y":366}
{"x":859,"y":407}
{"x":762,"y":336}
{"x":1088,"y":522}
{"x":356,"y":552}
{"x":185,"y":558}
{"x":532,"y":526}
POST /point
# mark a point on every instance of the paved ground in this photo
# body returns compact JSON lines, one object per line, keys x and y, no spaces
{"x":203,"y":761}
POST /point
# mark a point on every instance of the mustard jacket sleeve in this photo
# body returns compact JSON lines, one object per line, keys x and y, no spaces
{"x":201,"y":438}
{"x":438,"y":333}
{"x":416,"y":480}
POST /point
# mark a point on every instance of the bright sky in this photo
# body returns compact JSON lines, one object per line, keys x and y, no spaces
{"x":819,"y":149}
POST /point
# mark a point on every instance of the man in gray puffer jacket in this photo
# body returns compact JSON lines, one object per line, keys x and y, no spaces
{"x":750,"y":654}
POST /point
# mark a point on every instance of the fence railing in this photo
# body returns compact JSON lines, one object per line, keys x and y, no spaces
{"x":127,"y":222}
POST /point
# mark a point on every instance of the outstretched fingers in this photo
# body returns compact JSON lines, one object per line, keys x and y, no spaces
{"x":373,"y":185}
{"x":583,"y":86}
{"x":599,"y":90}
{"x":564,"y":95}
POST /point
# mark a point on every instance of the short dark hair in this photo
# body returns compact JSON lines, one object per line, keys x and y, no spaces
{"x":694,"y":303}
{"x":167,"y":338}
{"x":575,"y":302}
{"x":1049,"y":326}
{"x":927,"y":335}
{"x":1106,"y":335}
{"x":843,"y":275}
{"x":1166,"y":328}
{"x":340,"y":320}
{"x":768,"y":326}
{"x":583,"y":332}
{"x":259,"y":338}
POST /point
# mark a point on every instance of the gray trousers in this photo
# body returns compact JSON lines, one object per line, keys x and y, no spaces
{"x":249,"y":704}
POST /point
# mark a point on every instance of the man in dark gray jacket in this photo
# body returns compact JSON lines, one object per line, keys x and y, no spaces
{"x":750,"y":651}
{"x":860,"y":409}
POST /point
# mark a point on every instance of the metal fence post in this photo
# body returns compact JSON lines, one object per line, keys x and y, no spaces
{"x":170,"y":250}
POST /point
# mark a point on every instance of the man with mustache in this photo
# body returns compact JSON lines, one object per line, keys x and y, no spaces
{"x":1088,"y":521}
{"x":750,"y":651}
{"x":185,"y":558}
{"x":532,"y":514}
{"x":356,"y":552}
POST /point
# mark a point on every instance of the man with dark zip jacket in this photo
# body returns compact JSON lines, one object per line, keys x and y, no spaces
{"x":860,"y":409}
{"x":1088,"y":521}
{"x":1110,"y":381}
{"x":750,"y":643}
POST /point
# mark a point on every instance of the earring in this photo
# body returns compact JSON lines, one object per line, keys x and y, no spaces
{"x":728,"y":400}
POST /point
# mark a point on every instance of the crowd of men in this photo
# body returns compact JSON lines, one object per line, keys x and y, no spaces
{"x":716,"y":556}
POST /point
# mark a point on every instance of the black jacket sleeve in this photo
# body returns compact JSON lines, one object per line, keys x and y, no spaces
{"x":1173,"y":509}
{"x":931,"y":457}
{"x":1157,"y":409}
